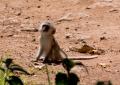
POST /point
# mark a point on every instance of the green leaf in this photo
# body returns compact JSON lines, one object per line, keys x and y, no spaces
{"x":110,"y":83}
{"x":61,"y":79}
{"x":73,"y":79}
{"x":81,"y":64}
{"x":2,"y":77}
{"x":68,"y":64}
{"x":13,"y":80}
{"x":15,"y":67}
{"x":100,"y":83}
{"x":104,"y":83}
{"x":7,"y":62}
{"x":2,"y":69}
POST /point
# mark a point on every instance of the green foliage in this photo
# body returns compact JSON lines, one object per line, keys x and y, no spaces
{"x":48,"y":75}
{"x":68,"y":78}
{"x":7,"y":75}
{"x":104,"y":83}
{"x":13,"y":80}
{"x":61,"y":79}
{"x":68,"y":64}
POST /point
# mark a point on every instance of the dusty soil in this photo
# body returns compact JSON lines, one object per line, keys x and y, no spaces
{"x":97,"y":22}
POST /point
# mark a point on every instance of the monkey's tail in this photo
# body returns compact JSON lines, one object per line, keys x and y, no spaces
{"x":83,"y":57}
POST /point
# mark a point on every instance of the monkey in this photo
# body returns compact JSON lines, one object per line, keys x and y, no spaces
{"x":49,"y":50}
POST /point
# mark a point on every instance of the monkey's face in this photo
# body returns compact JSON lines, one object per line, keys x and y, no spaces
{"x":47,"y":28}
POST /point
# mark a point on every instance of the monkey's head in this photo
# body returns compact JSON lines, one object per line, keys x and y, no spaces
{"x":47,"y":28}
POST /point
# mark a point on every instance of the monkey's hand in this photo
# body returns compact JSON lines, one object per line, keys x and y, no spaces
{"x":42,"y":58}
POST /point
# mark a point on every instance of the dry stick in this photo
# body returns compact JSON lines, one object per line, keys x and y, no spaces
{"x":48,"y":75}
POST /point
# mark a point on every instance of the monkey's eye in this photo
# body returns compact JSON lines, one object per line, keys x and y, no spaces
{"x":45,"y":28}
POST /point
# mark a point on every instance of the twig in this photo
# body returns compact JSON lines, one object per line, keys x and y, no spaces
{"x":48,"y":75}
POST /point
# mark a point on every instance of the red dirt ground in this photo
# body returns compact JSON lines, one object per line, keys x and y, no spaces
{"x":90,"y":20}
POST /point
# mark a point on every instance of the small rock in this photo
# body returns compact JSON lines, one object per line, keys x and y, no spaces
{"x":117,"y":70}
{"x":110,"y":61}
{"x":19,"y":14}
{"x":67,"y":36}
{"x":38,"y":6}
{"x":103,"y":38}
{"x":10,"y":35}
{"x":67,"y":28}
{"x":88,"y":8}
{"x":33,"y":40}
{"x":104,"y":33}
{"x":67,"y":50}
{"x":27,"y":17}
{"x":35,"y":75}
{"x":58,"y":23}
{"x":104,"y":65}
{"x":97,"y":51}
{"x":1,"y":36}
{"x":38,"y":65}
{"x":48,"y":16}
{"x":76,"y":29}
{"x":114,"y":10}
{"x":98,"y":25}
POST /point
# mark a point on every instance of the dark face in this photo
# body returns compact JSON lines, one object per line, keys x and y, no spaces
{"x":45,"y":28}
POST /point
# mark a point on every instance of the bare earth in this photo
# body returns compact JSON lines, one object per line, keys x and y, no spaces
{"x":97,"y":22}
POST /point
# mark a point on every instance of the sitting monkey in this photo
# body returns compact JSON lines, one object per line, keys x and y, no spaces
{"x":49,"y":51}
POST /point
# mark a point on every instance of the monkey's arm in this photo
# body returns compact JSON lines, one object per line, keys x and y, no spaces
{"x":47,"y":48}
{"x":39,"y":53}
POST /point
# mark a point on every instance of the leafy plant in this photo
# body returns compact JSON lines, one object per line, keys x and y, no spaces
{"x":7,"y":72}
{"x":68,"y":78}
{"x":48,"y":75}
{"x":104,"y":83}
